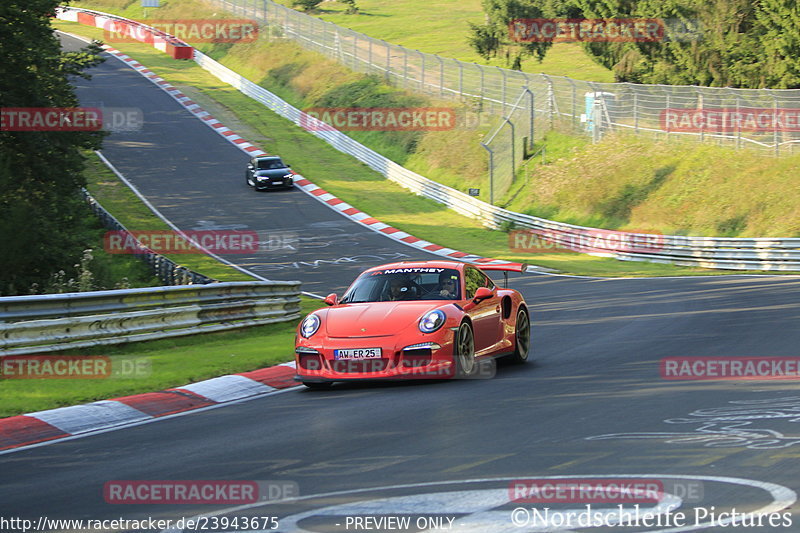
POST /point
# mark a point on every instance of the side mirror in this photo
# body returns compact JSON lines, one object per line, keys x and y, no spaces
{"x":483,"y":293}
{"x":332,"y":299}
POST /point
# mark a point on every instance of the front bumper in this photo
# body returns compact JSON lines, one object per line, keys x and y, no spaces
{"x":316,"y":361}
{"x":282,"y":183}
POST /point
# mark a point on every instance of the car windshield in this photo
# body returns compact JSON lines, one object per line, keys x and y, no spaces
{"x":270,"y":164}
{"x":412,"y":283}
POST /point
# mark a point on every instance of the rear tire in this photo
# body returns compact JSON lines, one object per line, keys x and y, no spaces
{"x":464,"y":352}
{"x":522,"y":337}
{"x":318,"y":385}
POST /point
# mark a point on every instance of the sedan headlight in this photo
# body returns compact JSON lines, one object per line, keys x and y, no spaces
{"x":309,"y":326}
{"x":431,"y":321}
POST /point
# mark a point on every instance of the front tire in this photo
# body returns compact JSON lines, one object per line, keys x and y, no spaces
{"x":464,"y":354}
{"x":522,"y":337}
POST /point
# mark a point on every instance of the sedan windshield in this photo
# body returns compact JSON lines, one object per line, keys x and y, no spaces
{"x":270,"y":164}
{"x":414,"y":283}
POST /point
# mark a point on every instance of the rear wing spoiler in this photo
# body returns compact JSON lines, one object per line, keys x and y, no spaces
{"x":508,"y":267}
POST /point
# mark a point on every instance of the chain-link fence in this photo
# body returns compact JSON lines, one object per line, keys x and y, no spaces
{"x":761,"y":118}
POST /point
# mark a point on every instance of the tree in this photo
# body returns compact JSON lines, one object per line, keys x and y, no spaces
{"x":493,"y":37}
{"x":306,"y":5}
{"x":352,"y":8}
{"x":41,"y":172}
{"x":734,"y":43}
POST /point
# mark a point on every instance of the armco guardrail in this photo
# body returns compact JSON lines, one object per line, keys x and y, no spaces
{"x":771,"y":254}
{"x":51,"y":322}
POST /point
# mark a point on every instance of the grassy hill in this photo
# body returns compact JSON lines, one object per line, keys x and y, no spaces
{"x":441,"y":27}
{"x":622,"y":182}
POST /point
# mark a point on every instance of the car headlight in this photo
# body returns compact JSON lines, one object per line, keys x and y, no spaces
{"x":261,"y":178}
{"x":309,"y":326}
{"x":431,"y":321}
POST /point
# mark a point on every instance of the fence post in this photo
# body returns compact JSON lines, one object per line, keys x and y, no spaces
{"x":355,"y":50}
{"x":513,"y":150}
{"x":369,"y":53}
{"x":388,"y":59}
{"x":503,"y":97}
{"x":667,"y":107}
{"x":635,"y":110}
{"x":441,"y":74}
{"x":480,"y":70}
{"x":700,"y":108}
{"x":776,"y":137}
{"x":531,"y":116}
{"x":738,"y":123}
{"x":422,"y":76}
{"x":405,"y":66}
{"x":491,"y":173}
{"x":460,"y":77}
{"x":550,"y":100}
{"x":574,"y":103}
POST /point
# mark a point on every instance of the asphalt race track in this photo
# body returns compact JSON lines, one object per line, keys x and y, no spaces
{"x":196,"y":179}
{"x":592,"y":405}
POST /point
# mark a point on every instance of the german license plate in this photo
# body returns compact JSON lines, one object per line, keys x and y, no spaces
{"x":357,"y":353}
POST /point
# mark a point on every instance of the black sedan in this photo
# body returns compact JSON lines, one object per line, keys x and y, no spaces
{"x":268,"y":172}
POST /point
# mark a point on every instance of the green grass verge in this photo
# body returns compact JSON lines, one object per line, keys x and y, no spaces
{"x":442,"y":28}
{"x":358,"y":185}
{"x":172,"y":363}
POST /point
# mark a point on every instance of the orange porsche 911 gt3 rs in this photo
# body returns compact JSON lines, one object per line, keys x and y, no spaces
{"x":422,"y":319}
